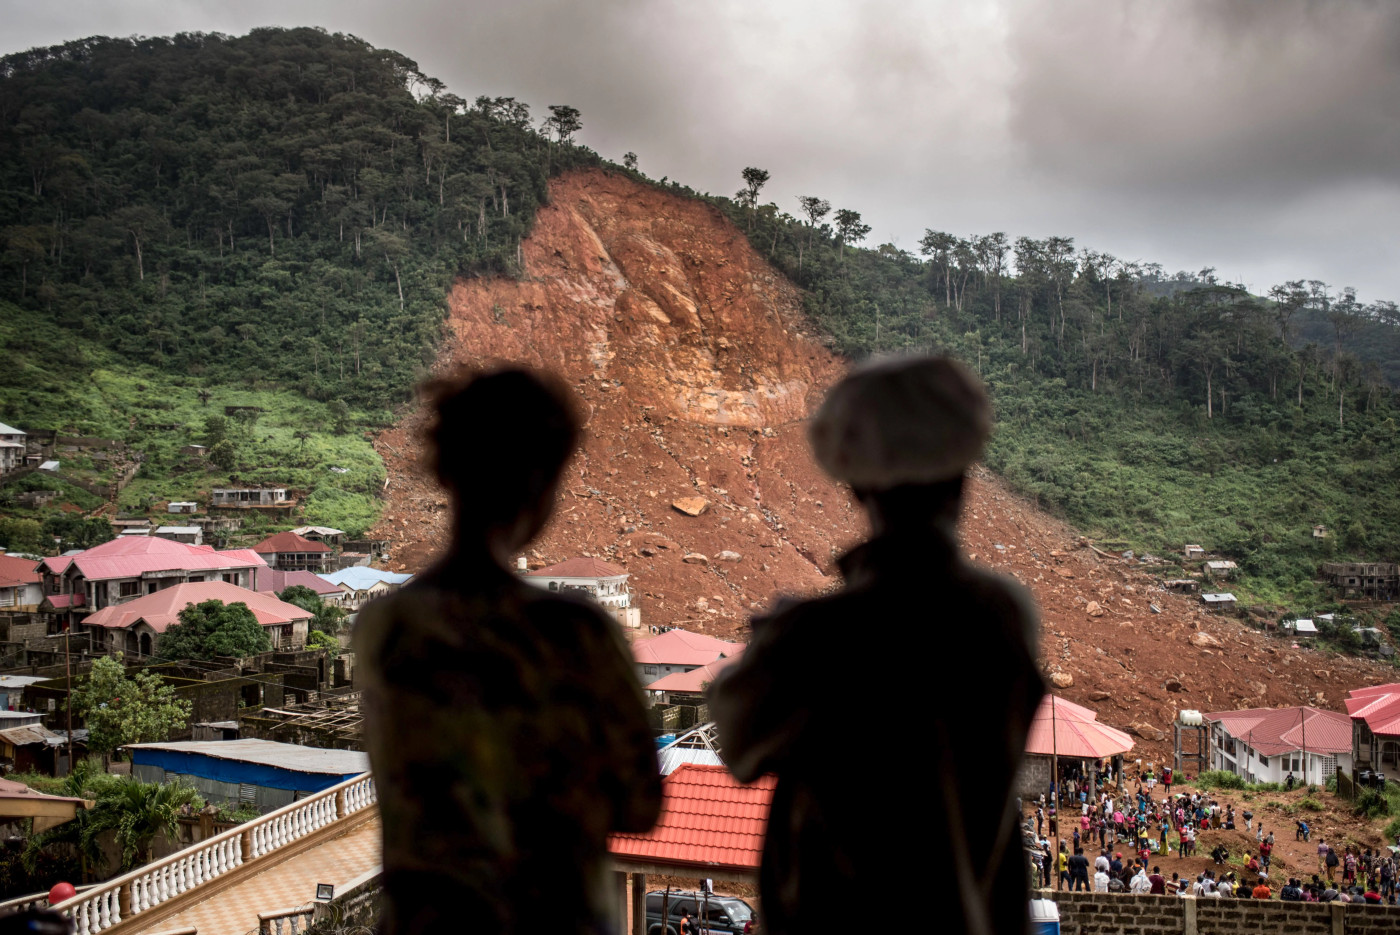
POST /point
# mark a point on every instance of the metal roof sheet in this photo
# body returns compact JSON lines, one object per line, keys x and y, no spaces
{"x":133,"y":556}
{"x":289,"y":542}
{"x":681,"y":647}
{"x":1280,"y":730}
{"x":11,"y":430}
{"x":695,"y":680}
{"x":161,"y":609}
{"x":288,"y":756}
{"x":360,"y":577}
{"x":17,"y":571}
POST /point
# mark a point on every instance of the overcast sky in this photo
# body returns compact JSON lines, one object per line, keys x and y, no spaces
{"x":1256,"y":136}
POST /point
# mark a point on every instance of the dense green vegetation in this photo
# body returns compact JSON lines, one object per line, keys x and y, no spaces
{"x":285,"y":207}
{"x":1147,"y":409}
{"x":59,"y":379}
{"x":268,"y":220}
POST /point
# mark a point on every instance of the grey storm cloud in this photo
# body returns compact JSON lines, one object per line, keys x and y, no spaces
{"x":1257,"y":136}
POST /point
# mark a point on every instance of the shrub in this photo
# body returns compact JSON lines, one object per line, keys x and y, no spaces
{"x":1220,"y":779}
{"x":1392,"y":830}
{"x":1372,"y":804}
{"x":1311,"y":804}
{"x":1331,"y":784}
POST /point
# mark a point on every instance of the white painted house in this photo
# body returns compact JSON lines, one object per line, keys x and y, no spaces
{"x":12,"y":442}
{"x":604,"y":582}
{"x":1266,"y":744}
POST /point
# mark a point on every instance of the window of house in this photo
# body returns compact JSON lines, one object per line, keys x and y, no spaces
{"x":648,"y":670}
{"x":1263,"y":761}
{"x":231,"y":578}
{"x":129,"y":589}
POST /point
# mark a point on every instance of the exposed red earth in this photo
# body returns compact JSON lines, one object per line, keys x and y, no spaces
{"x":696,"y":369}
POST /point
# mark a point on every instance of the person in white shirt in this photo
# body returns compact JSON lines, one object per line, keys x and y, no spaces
{"x":1101,"y":882}
{"x":1199,"y":887}
{"x":1140,"y":884}
{"x":1101,"y":863}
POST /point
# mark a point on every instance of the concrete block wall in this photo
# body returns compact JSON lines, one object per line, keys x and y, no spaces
{"x":1113,"y":913}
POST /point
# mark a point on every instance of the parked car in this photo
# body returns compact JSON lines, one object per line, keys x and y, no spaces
{"x":721,"y":914}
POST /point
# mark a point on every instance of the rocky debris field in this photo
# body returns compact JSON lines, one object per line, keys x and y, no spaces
{"x":696,"y":370}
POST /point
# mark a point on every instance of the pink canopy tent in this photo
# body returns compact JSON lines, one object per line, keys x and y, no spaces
{"x":1063,"y":728}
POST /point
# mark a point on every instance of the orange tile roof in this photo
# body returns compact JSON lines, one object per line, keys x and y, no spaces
{"x":682,"y":648}
{"x":581,"y":567}
{"x":708,"y":819}
{"x":15,"y":572}
{"x":162,"y":608}
{"x":289,"y":542}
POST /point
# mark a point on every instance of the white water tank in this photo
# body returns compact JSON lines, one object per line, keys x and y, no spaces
{"x":1190,"y":718}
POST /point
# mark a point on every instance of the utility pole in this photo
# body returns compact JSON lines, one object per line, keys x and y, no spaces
{"x":68,"y":680}
{"x":1055,"y":786}
{"x":1303,"y":716}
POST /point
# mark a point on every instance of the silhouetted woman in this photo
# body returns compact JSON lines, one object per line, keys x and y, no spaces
{"x":505,"y":723}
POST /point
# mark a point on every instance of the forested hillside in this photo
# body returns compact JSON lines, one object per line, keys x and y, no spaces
{"x":270,"y":220}
{"x":288,"y":206}
{"x":1148,"y":411}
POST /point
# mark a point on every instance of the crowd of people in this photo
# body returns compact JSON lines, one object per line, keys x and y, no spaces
{"x":1095,"y":827}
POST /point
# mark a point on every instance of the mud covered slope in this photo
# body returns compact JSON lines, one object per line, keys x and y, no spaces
{"x":696,"y":370}
{"x":689,"y":357}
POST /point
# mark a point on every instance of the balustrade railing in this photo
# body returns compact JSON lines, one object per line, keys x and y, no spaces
{"x":286,"y":921}
{"x":107,"y":904}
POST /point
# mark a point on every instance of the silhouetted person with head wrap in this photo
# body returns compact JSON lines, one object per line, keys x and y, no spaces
{"x":894,"y":712}
{"x":505,"y":724}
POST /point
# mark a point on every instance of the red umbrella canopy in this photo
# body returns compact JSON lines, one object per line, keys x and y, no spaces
{"x":1063,"y":728}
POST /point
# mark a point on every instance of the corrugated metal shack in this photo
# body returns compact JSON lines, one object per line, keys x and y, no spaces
{"x":263,"y":772}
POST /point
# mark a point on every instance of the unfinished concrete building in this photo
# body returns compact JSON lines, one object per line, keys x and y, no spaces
{"x":1374,"y":581}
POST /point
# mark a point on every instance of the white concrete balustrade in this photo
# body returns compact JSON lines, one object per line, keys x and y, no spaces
{"x":107,"y":904}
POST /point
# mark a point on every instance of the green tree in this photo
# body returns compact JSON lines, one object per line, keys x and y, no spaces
{"x":119,"y":710}
{"x":216,"y":429}
{"x":849,"y":229}
{"x":23,"y":535}
{"x":213,"y":628}
{"x":325,"y":617}
{"x":319,"y":639}
{"x":564,"y":121}
{"x":75,"y":531}
{"x":223,"y":454}
{"x":754,"y":180}
{"x":629,"y":160}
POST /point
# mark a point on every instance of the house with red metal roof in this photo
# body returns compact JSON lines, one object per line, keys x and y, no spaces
{"x":1267,"y":744}
{"x":688,"y":687}
{"x":287,"y":551}
{"x":678,"y":651}
{"x":133,"y":626}
{"x":276,"y":581}
{"x":1375,"y":728}
{"x":711,"y":826}
{"x":21,"y":588}
{"x":129,"y":567}
{"x":603,"y":581}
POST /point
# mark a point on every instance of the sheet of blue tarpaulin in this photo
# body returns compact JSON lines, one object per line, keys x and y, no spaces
{"x":254,"y":762}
